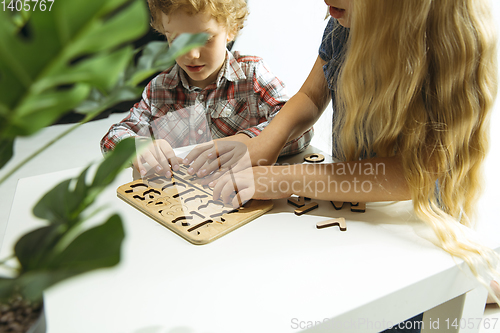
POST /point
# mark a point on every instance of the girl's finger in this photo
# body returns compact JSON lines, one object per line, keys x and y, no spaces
{"x":219,"y":186}
{"x":244,"y":196}
{"x":221,"y":163}
{"x":213,"y":178}
{"x":224,"y":147}
{"x":197,"y":151}
{"x":198,"y":165}
{"x":231,"y":189}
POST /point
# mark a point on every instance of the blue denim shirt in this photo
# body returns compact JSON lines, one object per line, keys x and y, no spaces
{"x":332,"y":50}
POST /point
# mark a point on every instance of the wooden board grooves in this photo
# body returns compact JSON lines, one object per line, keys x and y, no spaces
{"x":185,"y":208}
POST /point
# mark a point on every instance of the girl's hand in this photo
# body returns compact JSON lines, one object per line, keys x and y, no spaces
{"x":251,"y":183}
{"x":159,"y":156}
{"x":213,"y":159}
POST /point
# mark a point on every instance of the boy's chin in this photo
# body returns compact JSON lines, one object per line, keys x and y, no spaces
{"x":200,"y":81}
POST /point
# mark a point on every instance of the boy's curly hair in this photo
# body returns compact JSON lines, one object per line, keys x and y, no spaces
{"x":230,"y":13}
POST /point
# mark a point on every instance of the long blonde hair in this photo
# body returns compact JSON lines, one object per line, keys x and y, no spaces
{"x":419,"y":79}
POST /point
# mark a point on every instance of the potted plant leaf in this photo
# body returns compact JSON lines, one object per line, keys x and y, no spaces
{"x":73,"y":55}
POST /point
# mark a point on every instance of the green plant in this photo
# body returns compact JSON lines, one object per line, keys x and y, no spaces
{"x":58,"y":250}
{"x":75,"y":57}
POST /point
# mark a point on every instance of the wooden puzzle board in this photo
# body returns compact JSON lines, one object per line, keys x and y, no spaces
{"x":188,"y":208}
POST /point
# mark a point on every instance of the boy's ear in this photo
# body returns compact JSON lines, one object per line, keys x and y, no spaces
{"x":231,"y":35}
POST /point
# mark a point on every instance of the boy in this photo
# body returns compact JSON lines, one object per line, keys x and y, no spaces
{"x":237,"y":95}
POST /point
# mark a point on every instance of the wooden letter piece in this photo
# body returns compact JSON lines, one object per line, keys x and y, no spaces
{"x":314,"y":158}
{"x":333,"y":222}
{"x":358,"y":207}
{"x":337,"y":204}
{"x":297,"y":202}
{"x":305,"y":209}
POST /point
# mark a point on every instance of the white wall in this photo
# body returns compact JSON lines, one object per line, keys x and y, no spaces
{"x":491,"y":196}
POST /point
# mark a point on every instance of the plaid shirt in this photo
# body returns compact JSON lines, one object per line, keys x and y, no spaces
{"x":244,"y":99}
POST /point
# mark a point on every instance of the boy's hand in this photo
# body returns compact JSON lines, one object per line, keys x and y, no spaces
{"x":160,"y":156}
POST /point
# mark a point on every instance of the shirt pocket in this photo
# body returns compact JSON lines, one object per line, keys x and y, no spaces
{"x":230,"y":108}
{"x":231,"y":116}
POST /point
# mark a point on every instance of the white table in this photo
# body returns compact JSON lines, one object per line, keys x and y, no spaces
{"x":276,"y":274}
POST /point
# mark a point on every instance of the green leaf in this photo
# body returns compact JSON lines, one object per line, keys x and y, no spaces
{"x":62,"y":204}
{"x":158,"y":56}
{"x":6,"y":151}
{"x":95,"y":248}
{"x":99,"y":102}
{"x":32,"y":284}
{"x":111,"y":32}
{"x":53,"y":206}
{"x":150,"y":54}
{"x":115,"y":161}
{"x":73,"y":44}
{"x":32,"y":247}
{"x":38,"y":111}
{"x":101,"y":71}
{"x":181,"y":45}
{"x":81,"y":188}
{"x":7,"y":287}
{"x":155,"y":57}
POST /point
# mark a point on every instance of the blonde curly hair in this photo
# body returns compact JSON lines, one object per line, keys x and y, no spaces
{"x":229,"y":13}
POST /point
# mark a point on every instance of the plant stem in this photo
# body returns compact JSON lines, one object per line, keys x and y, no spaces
{"x":88,"y":118}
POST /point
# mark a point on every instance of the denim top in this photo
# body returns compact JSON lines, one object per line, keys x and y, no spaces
{"x":332,"y":51}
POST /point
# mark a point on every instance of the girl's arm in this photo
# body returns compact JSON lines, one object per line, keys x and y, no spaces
{"x":376,"y":179}
{"x":296,"y":117}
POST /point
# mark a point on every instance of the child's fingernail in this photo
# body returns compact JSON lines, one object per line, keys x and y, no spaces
{"x":168,"y":174}
{"x":176,"y":167}
{"x":211,"y":184}
{"x":203,"y":172}
{"x":190,"y":171}
{"x":143,"y":172}
{"x":158,"y":168}
{"x":185,"y":161}
{"x":210,"y":155}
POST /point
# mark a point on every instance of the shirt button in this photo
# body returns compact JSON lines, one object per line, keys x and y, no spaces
{"x":200,"y":132}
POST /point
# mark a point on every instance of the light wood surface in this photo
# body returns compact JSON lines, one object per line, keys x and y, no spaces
{"x":188,"y":208}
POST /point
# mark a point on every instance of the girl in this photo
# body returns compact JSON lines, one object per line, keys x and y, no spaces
{"x":412,"y":84}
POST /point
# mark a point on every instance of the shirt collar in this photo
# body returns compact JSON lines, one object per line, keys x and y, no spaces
{"x":231,"y":71}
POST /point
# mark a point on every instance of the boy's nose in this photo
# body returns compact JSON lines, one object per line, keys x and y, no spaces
{"x":193,"y":54}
